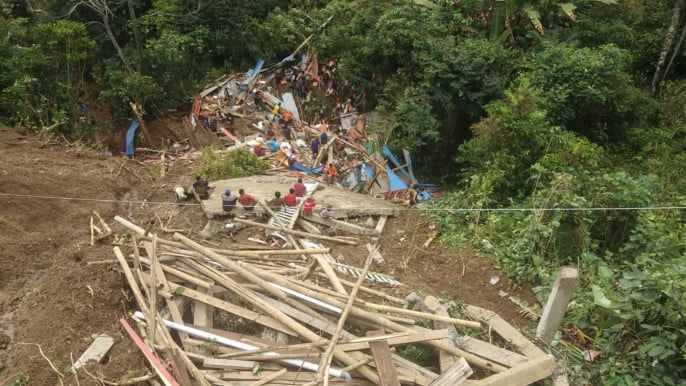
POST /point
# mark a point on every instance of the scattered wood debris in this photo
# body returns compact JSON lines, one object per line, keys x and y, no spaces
{"x":256,"y":316}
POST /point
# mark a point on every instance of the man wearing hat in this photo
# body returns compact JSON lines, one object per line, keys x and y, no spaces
{"x":228,"y":201}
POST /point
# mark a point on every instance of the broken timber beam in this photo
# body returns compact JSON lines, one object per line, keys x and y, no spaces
{"x":382,"y":357}
{"x":456,"y":375}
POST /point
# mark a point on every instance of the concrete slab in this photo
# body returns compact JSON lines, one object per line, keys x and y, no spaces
{"x":345,"y":203}
{"x":96,"y":351}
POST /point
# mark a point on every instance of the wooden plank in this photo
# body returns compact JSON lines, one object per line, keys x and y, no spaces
{"x":382,"y":357}
{"x":291,"y":378}
{"x":288,"y":378}
{"x":203,"y":313}
{"x":445,"y":359}
{"x":413,"y":375}
{"x":397,"y":340}
{"x":522,"y":375}
{"x":490,"y":352}
{"x":330,"y":273}
{"x":506,"y":331}
{"x":166,"y":378}
{"x":407,"y":364}
{"x":456,"y":375}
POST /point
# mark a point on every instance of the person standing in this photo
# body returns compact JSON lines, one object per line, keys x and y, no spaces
{"x":314,"y":145}
{"x":288,"y":117}
{"x":246,"y":200}
{"x":331,"y":174}
{"x":299,"y":188}
{"x":277,"y":110}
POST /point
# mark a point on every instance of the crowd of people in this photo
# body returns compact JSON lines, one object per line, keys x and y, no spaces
{"x":296,"y":194}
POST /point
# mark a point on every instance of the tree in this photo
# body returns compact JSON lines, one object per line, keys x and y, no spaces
{"x":589,"y":90}
{"x":101,"y":8}
{"x":666,"y":48}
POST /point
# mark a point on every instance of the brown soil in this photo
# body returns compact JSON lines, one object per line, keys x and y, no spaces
{"x":57,"y":290}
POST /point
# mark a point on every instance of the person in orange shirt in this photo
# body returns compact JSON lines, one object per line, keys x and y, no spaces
{"x":288,"y":117}
{"x":331,"y":175}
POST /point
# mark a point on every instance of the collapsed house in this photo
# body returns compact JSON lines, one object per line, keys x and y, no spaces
{"x":362,"y":163}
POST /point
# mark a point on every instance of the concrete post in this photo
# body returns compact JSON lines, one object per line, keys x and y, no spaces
{"x":555,"y":308}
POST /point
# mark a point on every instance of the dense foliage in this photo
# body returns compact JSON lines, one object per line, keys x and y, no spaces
{"x":557,"y":129}
{"x":241,"y":162}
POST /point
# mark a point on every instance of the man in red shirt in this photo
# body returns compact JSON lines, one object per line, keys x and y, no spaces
{"x":290,"y":199}
{"x":299,"y":188}
{"x":246,"y":200}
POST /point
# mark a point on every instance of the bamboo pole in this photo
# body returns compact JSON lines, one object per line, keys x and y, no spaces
{"x":294,"y":232}
{"x":374,"y":292}
{"x":328,"y":354}
{"x":270,"y":378}
{"x":275,"y":313}
{"x":384,"y":323}
{"x":137,"y":294}
{"x":330,"y":274}
{"x":423,"y":315}
{"x":232,"y":285}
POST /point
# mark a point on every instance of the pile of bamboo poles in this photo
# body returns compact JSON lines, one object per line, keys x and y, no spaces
{"x":282,"y":321}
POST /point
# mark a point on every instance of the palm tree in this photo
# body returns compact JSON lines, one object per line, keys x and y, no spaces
{"x":504,"y":12}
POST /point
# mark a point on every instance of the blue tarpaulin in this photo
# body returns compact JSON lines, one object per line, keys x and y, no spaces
{"x":251,"y":74}
{"x":302,"y":168}
{"x":394,"y":181}
{"x":387,"y":153}
{"x":130,"y":136}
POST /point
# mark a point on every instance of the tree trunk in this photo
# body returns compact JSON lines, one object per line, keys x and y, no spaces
{"x":100,"y":7}
{"x":136,"y":34}
{"x":666,"y":47}
{"x":110,"y":34}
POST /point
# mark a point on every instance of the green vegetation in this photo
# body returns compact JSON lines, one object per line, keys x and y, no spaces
{"x":554,"y":127}
{"x":241,"y":162}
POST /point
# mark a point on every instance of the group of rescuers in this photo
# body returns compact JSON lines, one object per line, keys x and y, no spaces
{"x":295,"y":195}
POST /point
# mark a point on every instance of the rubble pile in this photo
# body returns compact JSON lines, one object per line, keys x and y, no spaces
{"x":295,"y":316}
{"x":314,"y":142}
